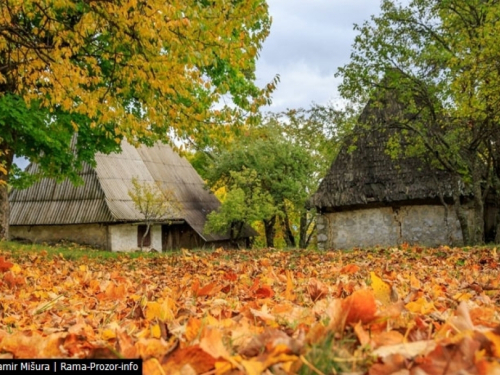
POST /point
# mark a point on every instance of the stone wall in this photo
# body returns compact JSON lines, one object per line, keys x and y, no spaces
{"x":94,"y":235}
{"x":387,"y":226}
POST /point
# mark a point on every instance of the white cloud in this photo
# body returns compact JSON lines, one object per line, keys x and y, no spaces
{"x":309,"y":41}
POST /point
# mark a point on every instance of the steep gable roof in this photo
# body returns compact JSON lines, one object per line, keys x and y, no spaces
{"x":369,"y":175}
{"x":103,"y":197}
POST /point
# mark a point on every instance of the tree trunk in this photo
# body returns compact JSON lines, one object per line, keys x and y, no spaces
{"x":497,"y":220}
{"x":497,"y":234}
{"x":235,"y":232}
{"x":4,"y":210}
{"x":472,"y":226}
{"x":6,"y":158}
{"x":148,"y":225}
{"x":461,"y":214}
{"x":478,"y":208}
{"x":270,"y":231}
{"x":287,"y":231}
{"x":305,"y":223}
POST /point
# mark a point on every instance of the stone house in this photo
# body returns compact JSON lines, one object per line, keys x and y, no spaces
{"x":100,"y":212}
{"x":368,"y":198}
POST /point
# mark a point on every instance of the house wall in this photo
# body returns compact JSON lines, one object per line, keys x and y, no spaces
{"x":388,"y":226}
{"x":119,"y":237}
{"x":94,"y":235}
{"x":123,"y":237}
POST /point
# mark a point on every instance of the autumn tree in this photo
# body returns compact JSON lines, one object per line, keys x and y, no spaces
{"x":439,"y":59}
{"x":243,"y":204}
{"x":280,"y":167}
{"x":108,"y":70}
{"x":318,"y":131}
{"x":154,"y":203}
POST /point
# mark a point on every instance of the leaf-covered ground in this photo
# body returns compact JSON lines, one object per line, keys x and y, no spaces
{"x":385,"y":311}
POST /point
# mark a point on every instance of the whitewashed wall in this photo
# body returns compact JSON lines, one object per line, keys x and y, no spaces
{"x":123,"y":237}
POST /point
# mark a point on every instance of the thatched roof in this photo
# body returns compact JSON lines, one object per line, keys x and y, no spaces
{"x":103,"y":197}
{"x":369,"y":175}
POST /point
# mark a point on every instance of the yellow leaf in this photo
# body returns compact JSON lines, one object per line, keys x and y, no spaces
{"x":381,"y":289}
{"x":462,"y":296}
{"x":153,"y":310}
{"x":420,"y":306}
{"x":156,"y":331}
{"x":15,"y":268}
{"x":108,"y":334}
{"x":162,"y":310}
{"x":495,"y":339}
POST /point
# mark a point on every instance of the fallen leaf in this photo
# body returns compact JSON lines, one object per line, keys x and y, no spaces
{"x":381,"y":289}
{"x":316,"y":289}
{"x":360,"y":307}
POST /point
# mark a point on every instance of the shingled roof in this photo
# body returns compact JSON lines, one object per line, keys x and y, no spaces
{"x":103,"y":197}
{"x":369,"y":175}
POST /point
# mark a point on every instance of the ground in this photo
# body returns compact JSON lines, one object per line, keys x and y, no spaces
{"x":405,"y":310}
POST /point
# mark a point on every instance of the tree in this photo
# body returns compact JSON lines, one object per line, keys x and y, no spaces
{"x":154,"y":203}
{"x":314,"y":131}
{"x":244,"y":203}
{"x":278,"y":166}
{"x":77,"y":76}
{"x":438,"y":59}
{"x":317,"y":131}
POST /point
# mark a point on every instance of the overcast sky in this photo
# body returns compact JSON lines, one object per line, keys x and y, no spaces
{"x":309,"y":41}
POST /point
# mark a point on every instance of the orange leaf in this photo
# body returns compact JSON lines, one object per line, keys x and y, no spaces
{"x":231,"y":276}
{"x":289,"y":295}
{"x":360,"y":306}
{"x":194,"y":357}
{"x":350,"y":269}
{"x":264,"y":291}
{"x":12,"y":280}
{"x":206,"y":290}
{"x":115,"y":292}
{"x":5,"y":265}
{"x":195,"y":287}
{"x":193,"y":329}
{"x":212,"y":342}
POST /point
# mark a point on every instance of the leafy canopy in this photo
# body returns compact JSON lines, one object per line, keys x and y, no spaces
{"x":144,"y":70}
{"x":244,"y":203}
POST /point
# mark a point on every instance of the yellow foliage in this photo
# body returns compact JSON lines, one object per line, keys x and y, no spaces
{"x":92,"y":58}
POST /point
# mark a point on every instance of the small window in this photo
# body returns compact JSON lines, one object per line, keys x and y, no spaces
{"x":141,"y":229}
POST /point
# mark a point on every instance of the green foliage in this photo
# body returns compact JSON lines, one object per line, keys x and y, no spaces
{"x":280,"y":167}
{"x":244,"y":203}
{"x":290,"y":153}
{"x":48,"y":138}
{"x":262,"y":164}
{"x":332,"y":355}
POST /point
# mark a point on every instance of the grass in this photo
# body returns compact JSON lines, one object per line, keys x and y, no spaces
{"x":69,"y":251}
{"x":334,"y":356}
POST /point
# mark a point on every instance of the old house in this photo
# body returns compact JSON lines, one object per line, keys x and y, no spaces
{"x":368,"y":198}
{"x":101,"y":213}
